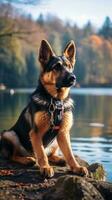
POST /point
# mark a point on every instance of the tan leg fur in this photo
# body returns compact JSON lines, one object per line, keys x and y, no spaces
{"x":63,"y":139}
{"x":41,"y":121}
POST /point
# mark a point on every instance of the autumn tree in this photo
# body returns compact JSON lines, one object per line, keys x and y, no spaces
{"x":18,"y":37}
{"x":96,"y":58}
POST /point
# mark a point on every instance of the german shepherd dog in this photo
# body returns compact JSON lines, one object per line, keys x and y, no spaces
{"x":47,"y":116}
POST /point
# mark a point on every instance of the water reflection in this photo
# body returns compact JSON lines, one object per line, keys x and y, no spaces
{"x":93,"y":115}
{"x":10,"y":108}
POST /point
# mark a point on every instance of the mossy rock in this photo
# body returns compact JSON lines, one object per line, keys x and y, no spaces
{"x":97,"y":171}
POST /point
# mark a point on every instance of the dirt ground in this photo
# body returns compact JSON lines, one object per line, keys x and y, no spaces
{"x":19,"y":182}
{"x":23,"y":183}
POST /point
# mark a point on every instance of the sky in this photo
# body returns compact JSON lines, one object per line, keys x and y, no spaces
{"x":76,"y":11}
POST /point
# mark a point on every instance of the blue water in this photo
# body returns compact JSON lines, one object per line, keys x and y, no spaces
{"x":92,"y":91}
{"x":95,"y":149}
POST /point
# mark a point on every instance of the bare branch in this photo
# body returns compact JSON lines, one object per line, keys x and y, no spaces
{"x":16,"y":33}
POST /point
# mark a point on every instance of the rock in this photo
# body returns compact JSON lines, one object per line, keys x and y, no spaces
{"x":73,"y":188}
{"x":97,"y":171}
{"x":105,"y":188}
{"x":24,"y":182}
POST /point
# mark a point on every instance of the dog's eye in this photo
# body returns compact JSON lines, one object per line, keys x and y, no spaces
{"x":58,"y":67}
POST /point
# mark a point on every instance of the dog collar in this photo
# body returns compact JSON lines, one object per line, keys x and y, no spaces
{"x":44,"y":104}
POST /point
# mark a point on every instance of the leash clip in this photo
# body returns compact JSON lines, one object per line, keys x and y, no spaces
{"x":52,"y":108}
{"x":56,"y":110}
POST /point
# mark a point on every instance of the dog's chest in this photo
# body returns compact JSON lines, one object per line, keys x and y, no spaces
{"x":48,"y":125}
{"x":48,"y":117}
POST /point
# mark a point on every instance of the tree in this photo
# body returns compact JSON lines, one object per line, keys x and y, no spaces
{"x":66,"y":37}
{"x":12,"y":63}
{"x":106,"y":30}
{"x":32,"y":72}
{"x":55,"y":40}
{"x":95,"y":58}
{"x":77,"y":33}
{"x":16,"y":42}
{"x":40,"y":20}
{"x":14,"y":23}
{"x":88,"y":29}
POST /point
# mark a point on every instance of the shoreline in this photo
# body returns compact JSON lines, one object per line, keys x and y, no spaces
{"x":25,"y":183}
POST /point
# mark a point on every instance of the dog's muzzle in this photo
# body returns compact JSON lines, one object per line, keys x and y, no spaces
{"x":71,"y":80}
{"x":67,"y":81}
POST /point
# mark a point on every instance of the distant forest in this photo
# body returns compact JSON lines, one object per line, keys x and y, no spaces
{"x":20,"y":38}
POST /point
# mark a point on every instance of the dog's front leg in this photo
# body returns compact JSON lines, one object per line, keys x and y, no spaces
{"x":63,"y":139}
{"x":41,"y":157}
{"x":65,"y":146}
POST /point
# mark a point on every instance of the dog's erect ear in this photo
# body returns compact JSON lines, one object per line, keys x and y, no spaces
{"x":70,"y":52}
{"x":45,"y":52}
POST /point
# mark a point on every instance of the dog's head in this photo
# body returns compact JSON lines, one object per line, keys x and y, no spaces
{"x":57,"y":71}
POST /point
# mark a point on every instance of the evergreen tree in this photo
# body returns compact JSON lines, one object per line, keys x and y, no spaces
{"x":88,"y":29}
{"x":55,"y":41}
{"x":106,"y":30}
{"x":66,"y":37}
{"x":32,"y":72}
{"x":40,"y":20}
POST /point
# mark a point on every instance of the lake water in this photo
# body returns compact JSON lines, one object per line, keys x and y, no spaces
{"x":91,"y":134}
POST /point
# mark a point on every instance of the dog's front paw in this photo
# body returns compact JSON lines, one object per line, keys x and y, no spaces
{"x":47,"y":171}
{"x":84,"y":171}
{"x":81,"y":171}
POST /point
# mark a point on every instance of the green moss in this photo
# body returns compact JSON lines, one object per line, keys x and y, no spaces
{"x":98,"y":173}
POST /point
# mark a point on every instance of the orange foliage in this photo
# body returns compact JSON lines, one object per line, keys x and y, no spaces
{"x":96,"y":40}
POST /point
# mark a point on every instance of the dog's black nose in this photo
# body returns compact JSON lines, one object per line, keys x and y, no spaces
{"x":72,"y":78}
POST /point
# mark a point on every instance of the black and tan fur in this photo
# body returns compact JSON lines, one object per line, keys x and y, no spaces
{"x":25,"y":138}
